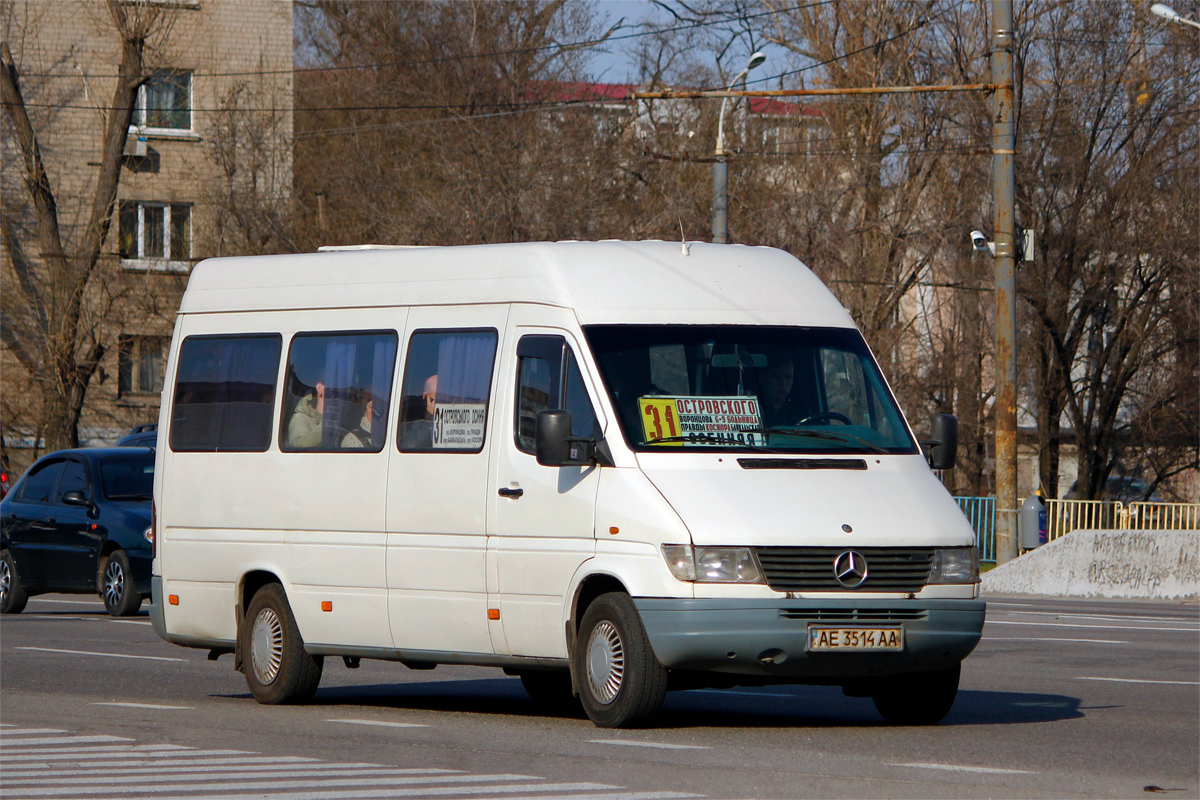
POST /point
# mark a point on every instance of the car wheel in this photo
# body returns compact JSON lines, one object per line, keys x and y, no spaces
{"x":12,"y":595}
{"x":921,"y":698}
{"x":120,"y":597}
{"x":621,"y":682}
{"x":550,"y":690}
{"x":277,"y":668}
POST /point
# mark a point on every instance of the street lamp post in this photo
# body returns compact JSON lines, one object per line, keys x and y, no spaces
{"x":1171,"y":15}
{"x":720,"y":223}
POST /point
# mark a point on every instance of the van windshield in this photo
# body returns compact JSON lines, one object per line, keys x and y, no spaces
{"x":789,"y":389}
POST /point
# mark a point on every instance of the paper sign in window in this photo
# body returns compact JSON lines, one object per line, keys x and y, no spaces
{"x":701,"y":420}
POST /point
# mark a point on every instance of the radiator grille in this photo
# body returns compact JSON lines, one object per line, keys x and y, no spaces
{"x":810,"y":569}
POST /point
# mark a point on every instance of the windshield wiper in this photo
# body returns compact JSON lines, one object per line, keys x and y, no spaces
{"x":138,"y":496}
{"x":848,"y":438}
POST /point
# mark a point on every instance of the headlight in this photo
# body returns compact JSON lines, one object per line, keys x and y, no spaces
{"x":955,"y":565}
{"x":712,"y":564}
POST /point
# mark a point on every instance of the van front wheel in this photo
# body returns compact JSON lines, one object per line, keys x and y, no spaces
{"x":277,"y":668}
{"x":621,"y":682}
{"x":922,"y":698}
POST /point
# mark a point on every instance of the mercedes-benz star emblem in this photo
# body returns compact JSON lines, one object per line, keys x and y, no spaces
{"x":850,"y":569}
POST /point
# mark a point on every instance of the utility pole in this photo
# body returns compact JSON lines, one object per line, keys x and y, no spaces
{"x":1004,"y":142}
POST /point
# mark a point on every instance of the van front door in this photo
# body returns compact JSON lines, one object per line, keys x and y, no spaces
{"x":544,"y":518}
{"x":438,"y":481}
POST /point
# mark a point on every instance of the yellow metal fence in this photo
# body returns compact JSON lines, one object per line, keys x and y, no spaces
{"x":1064,"y":516}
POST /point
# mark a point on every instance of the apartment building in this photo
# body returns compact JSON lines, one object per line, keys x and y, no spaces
{"x":209,"y":140}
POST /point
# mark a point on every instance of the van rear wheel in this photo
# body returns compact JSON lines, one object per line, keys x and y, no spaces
{"x":621,"y":682}
{"x":276,"y":666}
{"x":921,"y":698}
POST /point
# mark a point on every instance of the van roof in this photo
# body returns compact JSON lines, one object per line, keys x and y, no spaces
{"x":603,"y":282}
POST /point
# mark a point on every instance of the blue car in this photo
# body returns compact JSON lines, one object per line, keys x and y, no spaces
{"x":78,"y":521}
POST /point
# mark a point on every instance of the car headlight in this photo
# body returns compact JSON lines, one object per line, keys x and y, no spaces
{"x":712,"y":564}
{"x":955,"y":565}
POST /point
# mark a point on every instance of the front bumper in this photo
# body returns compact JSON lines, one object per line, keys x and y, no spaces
{"x":768,"y":639}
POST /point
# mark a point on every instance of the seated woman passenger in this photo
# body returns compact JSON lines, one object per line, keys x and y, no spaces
{"x":305,"y":428}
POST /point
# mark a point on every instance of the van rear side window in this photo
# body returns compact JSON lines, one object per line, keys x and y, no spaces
{"x":337,"y":391}
{"x":225,"y":393}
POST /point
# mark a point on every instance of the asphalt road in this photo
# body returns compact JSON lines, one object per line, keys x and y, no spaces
{"x":1061,"y":699}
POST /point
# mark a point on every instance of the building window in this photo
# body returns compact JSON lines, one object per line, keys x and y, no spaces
{"x":140,"y":362}
{"x":165,"y":101}
{"x":159,"y":232}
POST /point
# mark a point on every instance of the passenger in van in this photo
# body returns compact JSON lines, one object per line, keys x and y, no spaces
{"x":778,"y":407}
{"x":305,"y":428}
{"x":360,"y":436}
{"x":418,"y":434}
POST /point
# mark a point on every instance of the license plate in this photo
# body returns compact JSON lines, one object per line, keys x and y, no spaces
{"x":855,"y":638}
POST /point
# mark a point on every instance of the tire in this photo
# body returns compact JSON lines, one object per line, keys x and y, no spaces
{"x":551,"y":692}
{"x":116,"y":586}
{"x":621,"y":682}
{"x":921,"y":698}
{"x":12,"y":595}
{"x":277,"y":668}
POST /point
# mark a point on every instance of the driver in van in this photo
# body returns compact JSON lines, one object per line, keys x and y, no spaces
{"x":778,"y":407}
{"x":305,"y":426}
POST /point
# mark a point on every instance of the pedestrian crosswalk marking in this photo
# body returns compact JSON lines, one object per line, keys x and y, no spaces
{"x":40,"y":763}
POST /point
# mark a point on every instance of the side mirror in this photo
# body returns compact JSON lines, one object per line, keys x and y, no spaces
{"x":556,"y":447}
{"x":943,"y":447}
{"x":75,"y":497}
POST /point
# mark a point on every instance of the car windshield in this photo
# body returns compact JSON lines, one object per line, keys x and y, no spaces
{"x":749,"y":388}
{"x":128,"y":478}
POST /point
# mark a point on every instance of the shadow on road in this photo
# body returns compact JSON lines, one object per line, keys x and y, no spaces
{"x":806,"y":706}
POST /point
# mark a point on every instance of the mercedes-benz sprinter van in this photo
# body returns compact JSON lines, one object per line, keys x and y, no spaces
{"x":611,"y":468}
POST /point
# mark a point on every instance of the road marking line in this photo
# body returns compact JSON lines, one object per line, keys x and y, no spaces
{"x":108,"y":751}
{"x":264,"y":764}
{"x":129,"y":622}
{"x":28,"y":741}
{"x":1049,"y":639}
{"x":956,"y":768}
{"x":116,"y":785}
{"x":659,"y":745}
{"x":1108,"y":618}
{"x":425,"y":791}
{"x":744,"y":693}
{"x":147,"y":705}
{"x":90,"y":653}
{"x":29,"y":731}
{"x":379,"y":723}
{"x":321,"y":776}
{"x":1090,"y":627}
{"x":1138,"y":680}
{"x":613,"y":796}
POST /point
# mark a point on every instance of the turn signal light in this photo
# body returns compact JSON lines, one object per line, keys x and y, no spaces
{"x":327,"y":605}
{"x":173,"y":599}
{"x":493,"y":613}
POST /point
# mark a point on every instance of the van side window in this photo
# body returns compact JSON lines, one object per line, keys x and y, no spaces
{"x":337,"y":391}
{"x":225,"y":393}
{"x":548,"y":377}
{"x":447,"y":383}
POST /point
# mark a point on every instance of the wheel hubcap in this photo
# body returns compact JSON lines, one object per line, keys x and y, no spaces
{"x":114,"y":583}
{"x":605,"y":662}
{"x":266,"y":646}
{"x":5,"y":580}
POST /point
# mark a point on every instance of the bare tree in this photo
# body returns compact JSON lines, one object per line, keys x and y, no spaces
{"x":61,"y":348}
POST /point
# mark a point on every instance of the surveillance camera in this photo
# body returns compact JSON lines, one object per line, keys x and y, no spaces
{"x":978,"y":240}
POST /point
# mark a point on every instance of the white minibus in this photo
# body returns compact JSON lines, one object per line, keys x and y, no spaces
{"x":610,"y":468}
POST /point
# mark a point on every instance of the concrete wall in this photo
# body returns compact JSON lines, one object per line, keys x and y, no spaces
{"x":1154,"y":565}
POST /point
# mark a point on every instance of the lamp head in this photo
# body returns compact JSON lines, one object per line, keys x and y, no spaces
{"x":758,"y":57}
{"x":1165,"y":11}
